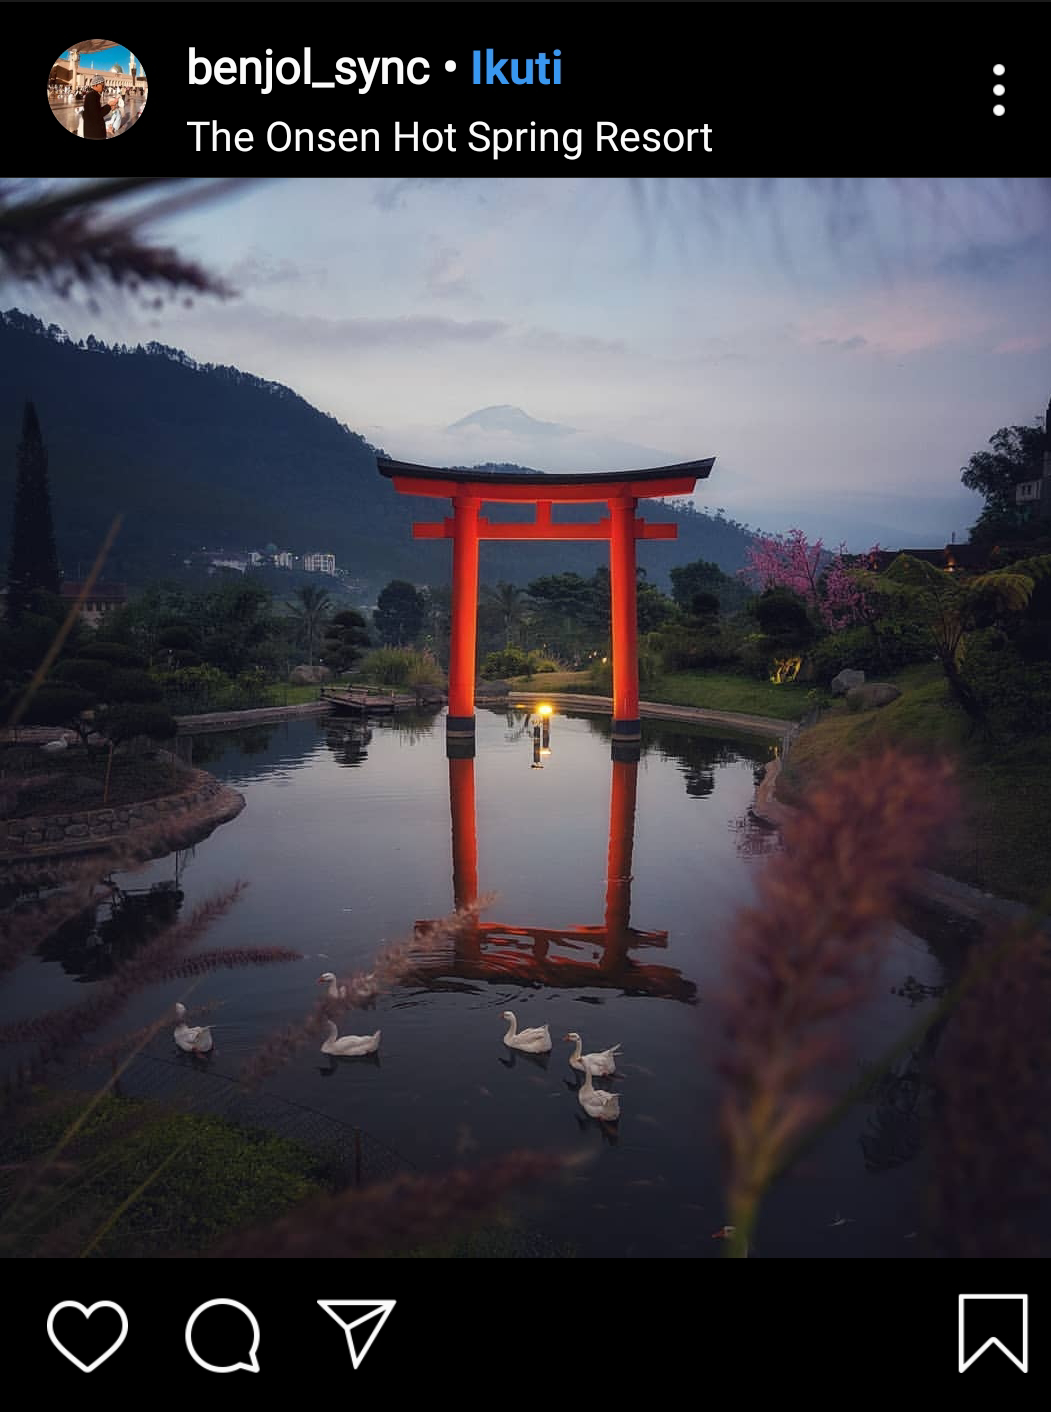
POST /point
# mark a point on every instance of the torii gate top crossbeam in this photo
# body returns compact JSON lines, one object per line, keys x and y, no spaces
{"x":470,"y":489}
{"x":531,"y":486}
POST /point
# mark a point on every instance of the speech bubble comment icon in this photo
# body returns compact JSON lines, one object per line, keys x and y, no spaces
{"x":252,"y":1365}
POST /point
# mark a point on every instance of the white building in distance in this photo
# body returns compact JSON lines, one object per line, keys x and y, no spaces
{"x":320,"y":564}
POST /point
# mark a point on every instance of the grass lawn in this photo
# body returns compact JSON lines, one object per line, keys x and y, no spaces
{"x":715,"y":691}
{"x":1001,"y":841}
{"x":173,"y":1181}
{"x":288,"y":694}
{"x":553,"y":681}
{"x":727,"y":691}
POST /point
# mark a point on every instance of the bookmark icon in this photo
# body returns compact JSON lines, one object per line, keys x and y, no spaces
{"x":990,"y":1311}
{"x":361,"y":1320}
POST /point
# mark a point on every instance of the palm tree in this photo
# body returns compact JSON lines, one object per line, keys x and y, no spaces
{"x":311,"y":611}
{"x":511,"y":603}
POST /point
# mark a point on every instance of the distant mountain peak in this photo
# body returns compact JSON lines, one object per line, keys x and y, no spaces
{"x":509,"y":420}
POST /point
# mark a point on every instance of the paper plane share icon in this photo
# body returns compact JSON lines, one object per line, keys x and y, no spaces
{"x":361,"y":1320}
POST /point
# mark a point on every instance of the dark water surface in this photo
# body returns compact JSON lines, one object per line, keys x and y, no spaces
{"x":348,"y":840}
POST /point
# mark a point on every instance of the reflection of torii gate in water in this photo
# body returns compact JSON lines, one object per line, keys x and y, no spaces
{"x":497,"y":952}
{"x":470,"y":489}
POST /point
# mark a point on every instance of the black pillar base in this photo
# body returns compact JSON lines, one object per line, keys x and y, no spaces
{"x":459,"y":737}
{"x":626,"y":752}
{"x":627,"y":730}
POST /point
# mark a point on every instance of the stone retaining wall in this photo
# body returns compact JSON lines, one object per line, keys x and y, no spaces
{"x":237,"y":720}
{"x":210,"y":802}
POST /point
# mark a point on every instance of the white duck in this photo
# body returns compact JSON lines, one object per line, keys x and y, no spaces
{"x":601,"y":1062}
{"x":350,"y":1043}
{"x":534,"y":1041}
{"x":192,"y":1039}
{"x":598,"y":1102}
{"x":335,"y":990}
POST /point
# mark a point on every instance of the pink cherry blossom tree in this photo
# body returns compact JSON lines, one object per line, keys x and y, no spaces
{"x":824,"y":580}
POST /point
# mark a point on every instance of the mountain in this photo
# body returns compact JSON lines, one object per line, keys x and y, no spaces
{"x":509,"y":435}
{"x":198,"y":455}
{"x":508,"y":421}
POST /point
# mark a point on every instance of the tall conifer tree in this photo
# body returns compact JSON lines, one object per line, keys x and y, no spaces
{"x":33,"y":565}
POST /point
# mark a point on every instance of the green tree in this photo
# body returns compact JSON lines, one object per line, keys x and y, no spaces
{"x":33,"y":564}
{"x":511,"y":604}
{"x":399,"y":613}
{"x":1016,"y":455}
{"x":346,"y":637}
{"x":702,"y":576}
{"x":783,"y":617}
{"x":311,"y":611}
{"x":235,"y":623}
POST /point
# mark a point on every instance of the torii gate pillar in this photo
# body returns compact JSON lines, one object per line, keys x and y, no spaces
{"x":463,"y":634}
{"x":621,"y":492}
{"x":627,"y":728}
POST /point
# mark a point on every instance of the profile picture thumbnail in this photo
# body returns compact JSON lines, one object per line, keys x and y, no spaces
{"x":97,"y":89}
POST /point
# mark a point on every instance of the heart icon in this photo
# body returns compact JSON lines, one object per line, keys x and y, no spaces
{"x":102,"y":1304}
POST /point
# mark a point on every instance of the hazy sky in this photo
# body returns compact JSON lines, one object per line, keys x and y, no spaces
{"x":841,"y":350}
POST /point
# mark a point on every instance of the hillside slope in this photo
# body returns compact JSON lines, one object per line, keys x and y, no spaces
{"x":198,"y":455}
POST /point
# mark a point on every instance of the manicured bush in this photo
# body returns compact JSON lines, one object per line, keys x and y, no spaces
{"x":115,"y":653}
{"x":129,"y":721}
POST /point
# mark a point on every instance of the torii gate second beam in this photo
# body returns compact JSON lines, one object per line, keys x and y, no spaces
{"x":470,"y":489}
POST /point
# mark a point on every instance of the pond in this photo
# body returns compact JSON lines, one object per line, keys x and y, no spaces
{"x":612,"y":889}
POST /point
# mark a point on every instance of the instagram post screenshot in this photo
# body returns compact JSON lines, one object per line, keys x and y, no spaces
{"x":525,"y":696}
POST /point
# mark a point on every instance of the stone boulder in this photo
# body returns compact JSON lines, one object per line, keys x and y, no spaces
{"x":493,"y":688}
{"x":308,"y":676}
{"x":843,"y":681}
{"x":873,"y":693}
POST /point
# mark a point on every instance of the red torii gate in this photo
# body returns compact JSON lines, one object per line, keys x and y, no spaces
{"x":470,"y":489}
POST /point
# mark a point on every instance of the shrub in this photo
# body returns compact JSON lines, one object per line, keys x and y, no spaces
{"x":195,"y":690}
{"x":685,"y":648}
{"x":508,"y":662}
{"x":899,"y":644}
{"x":57,"y":705}
{"x":89,"y":674}
{"x":1015,"y":694}
{"x":115,"y":653}
{"x":600,"y":674}
{"x":401,"y":666}
{"x":127,"y":722}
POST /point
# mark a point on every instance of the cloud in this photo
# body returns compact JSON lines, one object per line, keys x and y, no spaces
{"x":994,"y":261}
{"x":844,"y":345}
{"x":256,"y":271}
{"x":446,"y":275}
{"x":408,"y":331}
{"x":1030,"y":343}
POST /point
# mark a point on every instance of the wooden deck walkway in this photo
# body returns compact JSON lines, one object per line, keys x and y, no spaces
{"x":367,"y":703}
